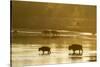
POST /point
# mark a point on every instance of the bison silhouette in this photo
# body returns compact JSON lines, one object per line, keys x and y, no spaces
{"x":45,"y":49}
{"x":75,"y":47}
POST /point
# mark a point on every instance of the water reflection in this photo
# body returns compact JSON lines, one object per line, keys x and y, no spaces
{"x":25,"y":51}
{"x":76,"y":58}
{"x":29,"y":55}
{"x":92,"y":59}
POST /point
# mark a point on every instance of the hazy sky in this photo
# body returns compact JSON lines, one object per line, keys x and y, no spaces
{"x":36,"y":15}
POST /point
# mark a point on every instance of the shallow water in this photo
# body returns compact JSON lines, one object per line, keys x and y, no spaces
{"x":25,"y":50}
{"x":27,"y":55}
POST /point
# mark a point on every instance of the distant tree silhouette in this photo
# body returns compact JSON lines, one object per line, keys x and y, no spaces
{"x":50,"y":33}
{"x":46,"y":33}
{"x":54,"y":33}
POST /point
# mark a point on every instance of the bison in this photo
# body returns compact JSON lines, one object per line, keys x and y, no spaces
{"x":75,"y":47}
{"x":44,"y":48}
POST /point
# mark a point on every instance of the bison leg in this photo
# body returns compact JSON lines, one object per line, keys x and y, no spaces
{"x":82,"y":51}
{"x":73,"y":51}
{"x":79,"y":51}
{"x":49,"y":52}
{"x":43,"y":52}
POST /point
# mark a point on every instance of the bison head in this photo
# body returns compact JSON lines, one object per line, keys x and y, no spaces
{"x":70,"y":48}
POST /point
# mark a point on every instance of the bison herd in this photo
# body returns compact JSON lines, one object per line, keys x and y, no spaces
{"x":72,"y":47}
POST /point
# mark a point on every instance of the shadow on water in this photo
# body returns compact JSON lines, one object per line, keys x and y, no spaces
{"x":75,"y":54}
{"x":75,"y":57}
{"x":92,"y":59}
{"x":44,"y":54}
